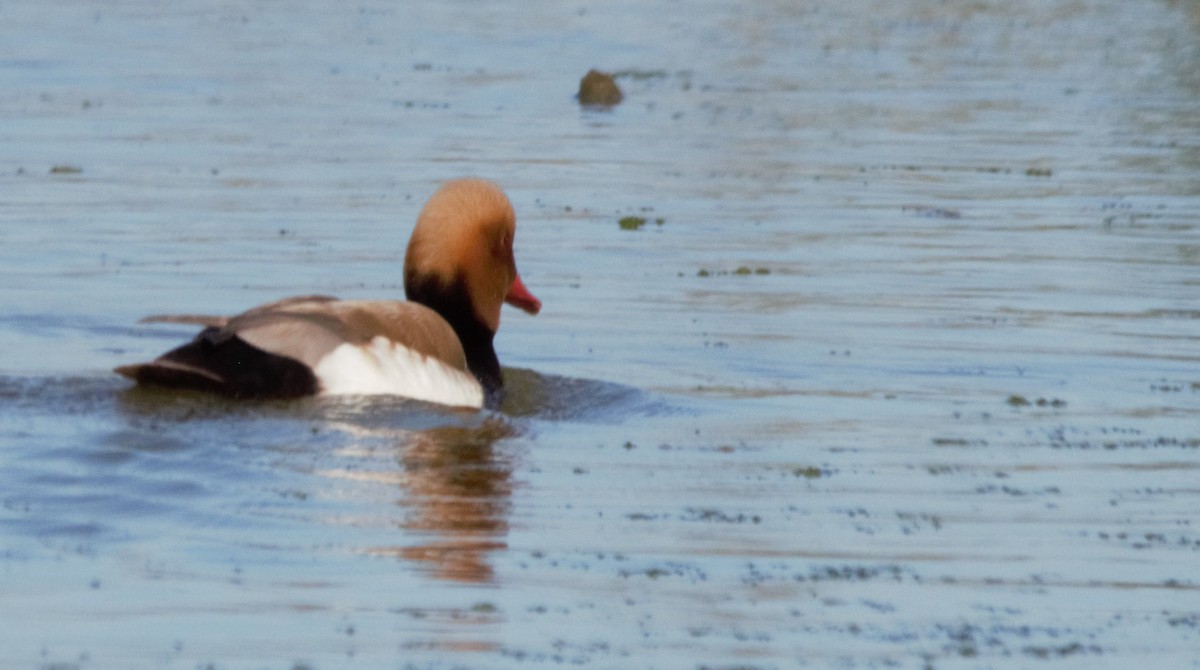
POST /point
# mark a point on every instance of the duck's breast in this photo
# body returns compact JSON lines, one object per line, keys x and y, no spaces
{"x":384,"y":366}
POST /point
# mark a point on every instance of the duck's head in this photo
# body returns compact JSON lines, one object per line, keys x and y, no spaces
{"x":464,"y":235}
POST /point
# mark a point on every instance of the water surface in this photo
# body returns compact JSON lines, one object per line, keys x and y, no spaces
{"x":901,"y":371}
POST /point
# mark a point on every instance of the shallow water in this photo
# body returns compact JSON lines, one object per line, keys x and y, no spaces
{"x":907,"y":376}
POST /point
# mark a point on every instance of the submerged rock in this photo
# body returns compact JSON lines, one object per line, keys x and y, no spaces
{"x":599,"y":88}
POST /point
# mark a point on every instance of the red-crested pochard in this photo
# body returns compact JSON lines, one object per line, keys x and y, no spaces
{"x":437,"y":347}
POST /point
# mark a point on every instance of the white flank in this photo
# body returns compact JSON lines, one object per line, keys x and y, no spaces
{"x":383,"y":367}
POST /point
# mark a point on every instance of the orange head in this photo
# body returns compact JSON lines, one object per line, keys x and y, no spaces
{"x":465,"y":232}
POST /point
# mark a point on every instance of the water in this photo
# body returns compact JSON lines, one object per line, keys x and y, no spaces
{"x":907,"y":376}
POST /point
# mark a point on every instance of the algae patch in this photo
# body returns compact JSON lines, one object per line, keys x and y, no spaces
{"x":631,"y":222}
{"x":636,"y":222}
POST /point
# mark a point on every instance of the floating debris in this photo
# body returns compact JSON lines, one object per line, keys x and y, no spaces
{"x":66,"y":169}
{"x":931,"y":212}
{"x":1017,"y":400}
{"x":741,"y":271}
{"x":599,"y":89}
{"x":642,"y":74}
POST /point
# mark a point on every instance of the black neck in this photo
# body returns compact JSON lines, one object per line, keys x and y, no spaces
{"x":454,"y":304}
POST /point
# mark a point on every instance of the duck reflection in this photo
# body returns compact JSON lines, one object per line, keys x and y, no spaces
{"x":446,"y":480}
{"x":458,"y":493}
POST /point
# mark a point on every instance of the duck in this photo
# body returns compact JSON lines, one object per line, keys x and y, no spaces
{"x":436,"y":346}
